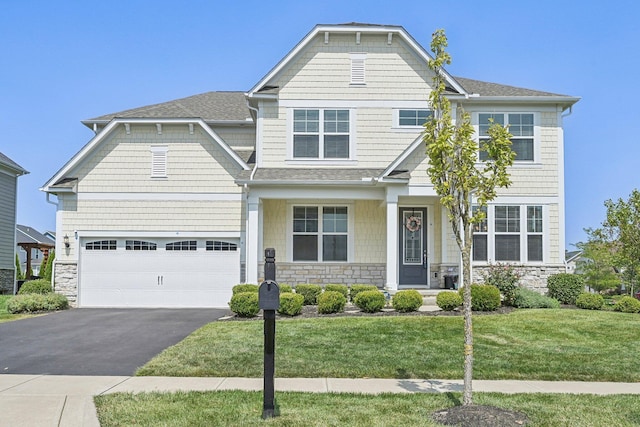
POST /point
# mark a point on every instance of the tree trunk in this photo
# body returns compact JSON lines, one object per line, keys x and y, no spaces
{"x":467,"y":398}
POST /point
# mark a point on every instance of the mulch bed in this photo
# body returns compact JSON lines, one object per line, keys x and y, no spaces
{"x":479,"y":416}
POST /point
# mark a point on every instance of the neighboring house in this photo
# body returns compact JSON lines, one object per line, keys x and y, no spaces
{"x":9,"y":173}
{"x":572,"y":261}
{"x":172,"y":204}
{"x":32,"y":248}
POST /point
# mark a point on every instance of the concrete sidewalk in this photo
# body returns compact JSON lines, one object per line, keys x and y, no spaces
{"x":65,"y":401}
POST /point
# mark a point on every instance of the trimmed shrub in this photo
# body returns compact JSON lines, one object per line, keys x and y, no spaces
{"x":565,"y":287}
{"x":449,"y":300}
{"x":526,"y":298}
{"x":245,"y":304}
{"x":343,"y":289}
{"x":588,"y":301}
{"x":370,"y":301}
{"x":309,"y":292}
{"x":244,"y":287}
{"x":290,"y":304}
{"x":627,"y":304}
{"x":33,"y":303}
{"x":357,"y":288}
{"x":505,"y":278}
{"x":483,"y":297}
{"x":38,"y":286}
{"x":406,"y":301}
{"x":331,"y":302}
{"x":284,"y":288}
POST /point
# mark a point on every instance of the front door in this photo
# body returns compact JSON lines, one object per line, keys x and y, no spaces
{"x":413,"y":268}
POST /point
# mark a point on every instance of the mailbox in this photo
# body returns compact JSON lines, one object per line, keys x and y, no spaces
{"x":269,"y":295}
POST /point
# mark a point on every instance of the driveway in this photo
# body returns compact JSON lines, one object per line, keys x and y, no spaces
{"x":95,"y":341}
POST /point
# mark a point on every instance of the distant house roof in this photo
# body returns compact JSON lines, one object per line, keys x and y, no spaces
{"x":10,"y":164}
{"x":26,"y":235}
{"x":209,"y":106}
{"x":570,"y":256}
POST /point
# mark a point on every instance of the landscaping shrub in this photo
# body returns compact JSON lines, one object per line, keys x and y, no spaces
{"x":39,"y":286}
{"x":245,"y":304}
{"x":627,"y":304}
{"x":406,"y":301}
{"x":33,"y":303}
{"x":590,"y":301}
{"x":309,"y":292}
{"x":483,"y":297}
{"x":526,"y":298}
{"x":331,"y":302}
{"x":290,"y":304}
{"x":505,"y":278}
{"x":244,"y":287}
{"x":448,"y":301}
{"x":356,"y":289}
{"x":370,"y":301}
{"x":343,"y":289}
{"x":565,"y":287}
{"x":284,"y":288}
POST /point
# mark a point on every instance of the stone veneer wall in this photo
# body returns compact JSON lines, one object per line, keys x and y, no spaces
{"x":532,"y":277}
{"x":6,"y":281}
{"x":325,"y":273}
{"x":66,"y":281}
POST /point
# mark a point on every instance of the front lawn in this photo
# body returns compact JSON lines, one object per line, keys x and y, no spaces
{"x":238,"y":408}
{"x":556,"y":345}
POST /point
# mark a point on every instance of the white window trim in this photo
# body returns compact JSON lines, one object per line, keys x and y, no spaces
{"x":320,"y":205}
{"x":536,"y":162}
{"x":351,"y":160}
{"x":396,"y":126}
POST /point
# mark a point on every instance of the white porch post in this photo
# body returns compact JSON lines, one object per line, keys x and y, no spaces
{"x":392,"y":244}
{"x":253,"y":204}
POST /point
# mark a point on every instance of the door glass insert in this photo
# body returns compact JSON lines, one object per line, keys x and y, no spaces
{"x":412,"y":241}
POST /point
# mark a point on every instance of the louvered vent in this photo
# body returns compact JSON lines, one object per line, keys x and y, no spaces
{"x":358,"y":68}
{"x":158,"y":162}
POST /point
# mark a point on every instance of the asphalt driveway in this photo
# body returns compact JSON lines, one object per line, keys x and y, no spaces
{"x":95,"y":341}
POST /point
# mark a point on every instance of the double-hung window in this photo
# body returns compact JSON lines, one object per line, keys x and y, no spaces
{"x":521,"y":126}
{"x":321,"y":134}
{"x":534,"y":233}
{"x":507,"y":233}
{"x":413,"y":118}
{"x":320,"y":233}
{"x":480,"y":236}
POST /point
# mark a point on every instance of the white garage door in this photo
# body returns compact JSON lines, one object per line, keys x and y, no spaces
{"x":157,"y":272}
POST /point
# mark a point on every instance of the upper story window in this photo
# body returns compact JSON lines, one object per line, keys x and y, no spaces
{"x":521,"y":126}
{"x":413,"y":118}
{"x":321,"y":134}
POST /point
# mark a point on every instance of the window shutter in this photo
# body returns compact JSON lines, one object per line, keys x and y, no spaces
{"x":159,"y":162}
{"x":358,"y":68}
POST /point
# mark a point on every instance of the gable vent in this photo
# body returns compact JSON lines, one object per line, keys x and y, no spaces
{"x":358,"y":68}
{"x":159,"y":162}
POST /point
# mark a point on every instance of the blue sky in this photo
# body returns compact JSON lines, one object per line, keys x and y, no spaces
{"x":62,"y":62}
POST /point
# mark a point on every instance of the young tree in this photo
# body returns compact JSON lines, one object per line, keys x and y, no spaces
{"x":597,"y":263}
{"x":48,"y":268}
{"x":456,"y":178}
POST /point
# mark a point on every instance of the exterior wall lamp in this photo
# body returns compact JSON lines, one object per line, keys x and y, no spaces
{"x":66,"y":241}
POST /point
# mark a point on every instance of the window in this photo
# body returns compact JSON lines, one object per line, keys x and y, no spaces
{"x":520,"y":126}
{"x":185,"y":245}
{"x":216,"y":245}
{"x":159,"y":162}
{"x":313,"y":141}
{"x":140,"y":245}
{"x":320,"y":239}
{"x":503,"y":236}
{"x":101,"y":245}
{"x":413,"y":118}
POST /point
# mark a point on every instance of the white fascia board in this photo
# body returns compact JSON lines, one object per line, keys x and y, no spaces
{"x":403,"y":156}
{"x":400,"y":31}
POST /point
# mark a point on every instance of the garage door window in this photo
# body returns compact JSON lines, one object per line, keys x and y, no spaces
{"x":216,"y":245}
{"x":101,"y":245}
{"x":184,"y":245}
{"x":140,"y":245}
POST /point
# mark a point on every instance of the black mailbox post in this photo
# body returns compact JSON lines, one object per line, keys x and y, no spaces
{"x":269,"y":302}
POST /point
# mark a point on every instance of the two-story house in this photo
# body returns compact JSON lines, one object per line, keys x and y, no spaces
{"x":9,"y":173}
{"x":323,"y":160}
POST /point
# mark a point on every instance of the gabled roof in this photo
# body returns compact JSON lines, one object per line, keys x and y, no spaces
{"x":11,"y":165}
{"x":29,"y":236}
{"x":210,"y":107}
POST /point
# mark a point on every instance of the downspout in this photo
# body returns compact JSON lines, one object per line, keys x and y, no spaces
{"x":246,"y":195}
{"x":255,"y":166}
{"x":53,"y":267}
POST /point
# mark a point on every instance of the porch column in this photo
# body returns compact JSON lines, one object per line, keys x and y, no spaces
{"x":392,"y":245}
{"x":253,"y":204}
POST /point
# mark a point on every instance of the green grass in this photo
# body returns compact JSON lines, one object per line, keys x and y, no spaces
{"x":4,"y":314}
{"x":237,"y":408}
{"x":579,"y":345}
